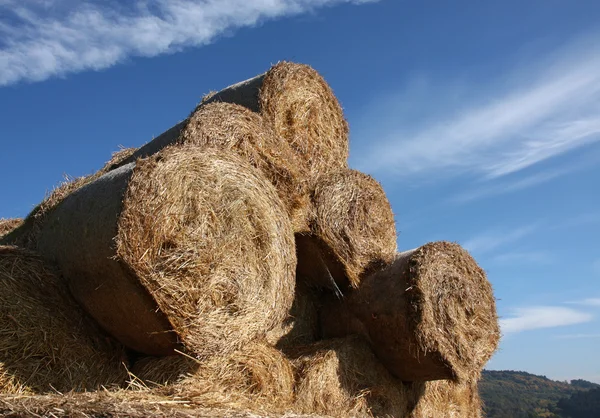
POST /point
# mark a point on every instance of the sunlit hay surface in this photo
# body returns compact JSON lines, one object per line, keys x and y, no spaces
{"x":256,"y":376}
{"x":116,"y":159}
{"x":208,"y":237}
{"x":447,"y":399}
{"x":343,"y":378}
{"x":8,"y":224}
{"x":47,"y":343}
{"x":302,"y":108}
{"x":354,"y":219}
{"x":453,"y":307}
{"x":230,"y":126}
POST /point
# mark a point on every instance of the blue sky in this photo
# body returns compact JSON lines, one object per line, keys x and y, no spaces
{"x":481,"y":120}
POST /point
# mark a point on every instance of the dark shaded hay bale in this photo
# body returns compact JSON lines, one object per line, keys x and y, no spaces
{"x":353,"y":229}
{"x":257,"y":376}
{"x":47,"y":343}
{"x":447,"y":399}
{"x":8,"y":224}
{"x":343,"y":378}
{"x":117,"y":158}
{"x":302,"y":108}
{"x":301,"y":326}
{"x":430,"y":315}
{"x":194,"y":244}
{"x":233,"y":127}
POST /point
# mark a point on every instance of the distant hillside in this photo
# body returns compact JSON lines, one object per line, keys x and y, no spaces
{"x":510,"y":394}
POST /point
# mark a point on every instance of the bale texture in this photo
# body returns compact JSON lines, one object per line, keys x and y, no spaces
{"x":47,"y":343}
{"x":8,"y":224}
{"x":343,"y":378}
{"x":233,"y":127}
{"x":447,"y":399}
{"x":353,"y":229}
{"x":302,"y":108}
{"x":297,"y":103}
{"x":189,"y":246}
{"x":256,"y":376}
{"x":430,"y":315}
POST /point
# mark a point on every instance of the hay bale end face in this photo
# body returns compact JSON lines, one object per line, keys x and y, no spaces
{"x":204,"y":251}
{"x":353,"y":229}
{"x":430,"y":315}
{"x":444,"y":398}
{"x":47,"y":343}
{"x":233,"y":127}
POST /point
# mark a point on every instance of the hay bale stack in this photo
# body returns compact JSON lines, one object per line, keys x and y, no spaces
{"x":297,"y":103}
{"x":9,"y":224}
{"x":430,"y":315}
{"x":256,"y":376}
{"x":233,"y":127}
{"x":343,"y":378}
{"x":47,"y":343}
{"x":191,"y":246}
{"x":447,"y":399}
{"x":353,"y":230}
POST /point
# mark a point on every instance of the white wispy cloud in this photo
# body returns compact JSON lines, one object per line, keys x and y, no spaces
{"x":552,"y":109}
{"x":44,"y":39}
{"x":523,"y":256}
{"x":535,"y":317}
{"x":595,"y":302}
{"x":576,"y":336}
{"x":494,"y":239}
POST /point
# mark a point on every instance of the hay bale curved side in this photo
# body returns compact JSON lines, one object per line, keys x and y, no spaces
{"x":353,"y":228}
{"x":430,"y":315}
{"x":256,"y":376}
{"x":302,"y":108}
{"x":343,"y":378}
{"x":233,"y":127}
{"x":47,"y":343}
{"x":448,"y":399}
{"x":190,"y":246}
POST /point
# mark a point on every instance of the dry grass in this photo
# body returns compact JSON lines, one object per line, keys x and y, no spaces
{"x":302,"y":108}
{"x":116,"y":160}
{"x":256,"y":377}
{"x":47,"y":343}
{"x":343,"y":378}
{"x":353,"y":226}
{"x":447,"y":399}
{"x":208,"y":237}
{"x":233,"y":127}
{"x":8,"y":224}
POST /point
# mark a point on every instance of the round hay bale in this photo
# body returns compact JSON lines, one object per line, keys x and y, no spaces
{"x":447,"y":399}
{"x":47,"y":343}
{"x":190,"y":246}
{"x":233,"y":127}
{"x":343,"y":378}
{"x":353,"y":229}
{"x":302,"y":108}
{"x":256,"y":375}
{"x":297,"y":103}
{"x":430,"y":315}
{"x":9,"y":224}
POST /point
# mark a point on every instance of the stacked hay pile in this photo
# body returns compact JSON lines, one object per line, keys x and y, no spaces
{"x":242,"y":265}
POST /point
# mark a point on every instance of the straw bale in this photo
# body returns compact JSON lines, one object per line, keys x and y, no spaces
{"x":47,"y":343}
{"x":353,"y":229}
{"x":447,"y":399}
{"x":233,"y":127}
{"x":8,"y":224}
{"x":343,"y":378}
{"x":302,"y":108}
{"x":256,"y":376}
{"x":194,"y":244}
{"x":430,"y":315}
